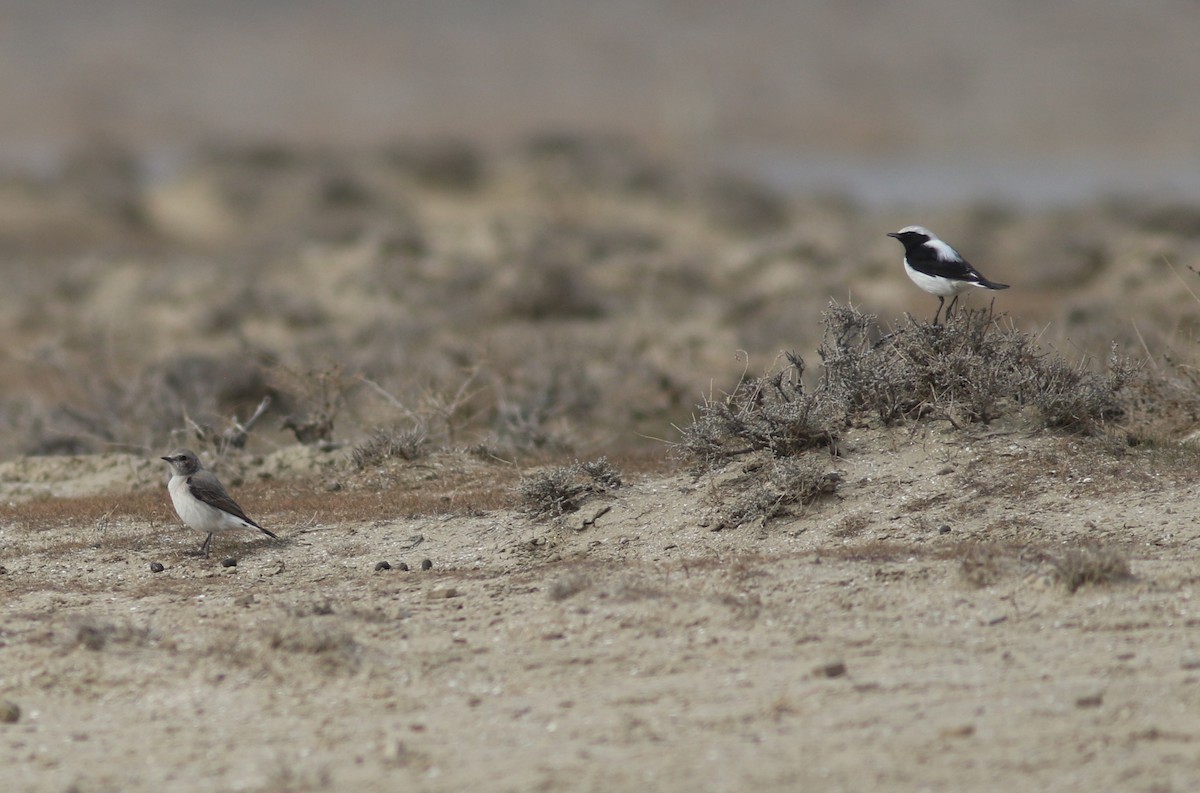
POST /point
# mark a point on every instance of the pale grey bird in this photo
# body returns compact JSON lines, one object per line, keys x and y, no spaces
{"x":201,"y":500}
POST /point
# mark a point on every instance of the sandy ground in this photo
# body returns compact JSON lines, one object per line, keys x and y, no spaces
{"x":418,"y":218}
{"x":928,"y":625}
{"x":860,"y":644}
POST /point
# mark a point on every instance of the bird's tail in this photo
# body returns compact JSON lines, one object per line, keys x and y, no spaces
{"x":267,"y":532}
{"x":986,"y":284}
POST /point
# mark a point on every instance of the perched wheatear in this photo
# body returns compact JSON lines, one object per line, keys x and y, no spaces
{"x":937,"y":268}
{"x":201,"y":500}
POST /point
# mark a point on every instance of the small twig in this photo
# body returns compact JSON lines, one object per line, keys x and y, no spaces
{"x":883,"y":339}
{"x":200,"y":432}
{"x":413,"y":542}
{"x":1146,"y":347}
{"x":237,"y":435}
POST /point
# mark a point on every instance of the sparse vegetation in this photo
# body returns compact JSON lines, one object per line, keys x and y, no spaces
{"x":370,"y":344}
{"x":319,"y":395}
{"x":1091,"y":564}
{"x":972,"y":368}
{"x":95,"y":634}
{"x":772,"y":413}
{"x":562,"y":489}
{"x":984,"y":564}
{"x":334,"y":648}
{"x":385,"y":445}
{"x":569,"y":585}
{"x":787,"y":481}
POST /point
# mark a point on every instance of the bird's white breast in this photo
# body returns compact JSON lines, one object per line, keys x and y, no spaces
{"x":197,"y":514}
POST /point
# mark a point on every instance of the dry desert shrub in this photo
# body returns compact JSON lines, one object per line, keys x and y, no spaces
{"x":95,"y":634}
{"x":562,"y":489}
{"x":319,"y":396}
{"x":788,"y":481}
{"x":1076,"y":398}
{"x":772,"y":413}
{"x":1162,"y":407}
{"x":534,"y":406}
{"x":386,"y":445}
{"x":969,"y":362}
{"x":1091,"y":564}
{"x":984,"y":564}
{"x":103,"y":405}
{"x":973,"y":367}
{"x":569,"y":585}
{"x":333,"y":647}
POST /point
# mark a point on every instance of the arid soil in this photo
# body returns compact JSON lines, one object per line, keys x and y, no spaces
{"x":915,"y":630}
{"x":972,"y":605}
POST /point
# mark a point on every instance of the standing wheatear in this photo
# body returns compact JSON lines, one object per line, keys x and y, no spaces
{"x":201,"y":500}
{"x":937,"y":268}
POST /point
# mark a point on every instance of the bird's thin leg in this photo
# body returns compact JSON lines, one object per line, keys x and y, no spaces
{"x":205,"y":547}
{"x":938,"y":313}
{"x":951,"y":307}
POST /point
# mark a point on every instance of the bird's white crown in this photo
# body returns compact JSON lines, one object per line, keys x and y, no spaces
{"x":918,"y":230}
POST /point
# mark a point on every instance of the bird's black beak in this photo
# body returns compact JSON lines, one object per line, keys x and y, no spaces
{"x":895,"y":234}
{"x":168,"y":459}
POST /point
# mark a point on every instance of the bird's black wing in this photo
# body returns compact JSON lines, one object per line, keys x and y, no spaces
{"x":926,"y":260}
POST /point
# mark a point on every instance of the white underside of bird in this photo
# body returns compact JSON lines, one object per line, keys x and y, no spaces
{"x":198,"y":515}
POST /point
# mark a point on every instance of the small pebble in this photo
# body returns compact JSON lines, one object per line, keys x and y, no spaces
{"x":835,"y":669}
{"x":426,"y":564}
{"x":10,"y":712}
{"x":91,"y":637}
{"x":156,"y":567}
{"x":3,"y":570}
{"x":1090,"y":701}
{"x":403,"y":566}
{"x":943,"y":529}
{"x":229,"y":562}
{"x":964,"y":731}
{"x":385,"y":565}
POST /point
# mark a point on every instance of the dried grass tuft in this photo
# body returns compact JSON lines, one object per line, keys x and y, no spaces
{"x":386,"y":445}
{"x":1091,"y":565}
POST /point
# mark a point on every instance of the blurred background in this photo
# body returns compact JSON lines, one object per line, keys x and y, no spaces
{"x":924,"y":100}
{"x":556,"y":223}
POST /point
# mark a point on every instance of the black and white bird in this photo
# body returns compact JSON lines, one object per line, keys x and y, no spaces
{"x":937,"y":268}
{"x":201,"y":500}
